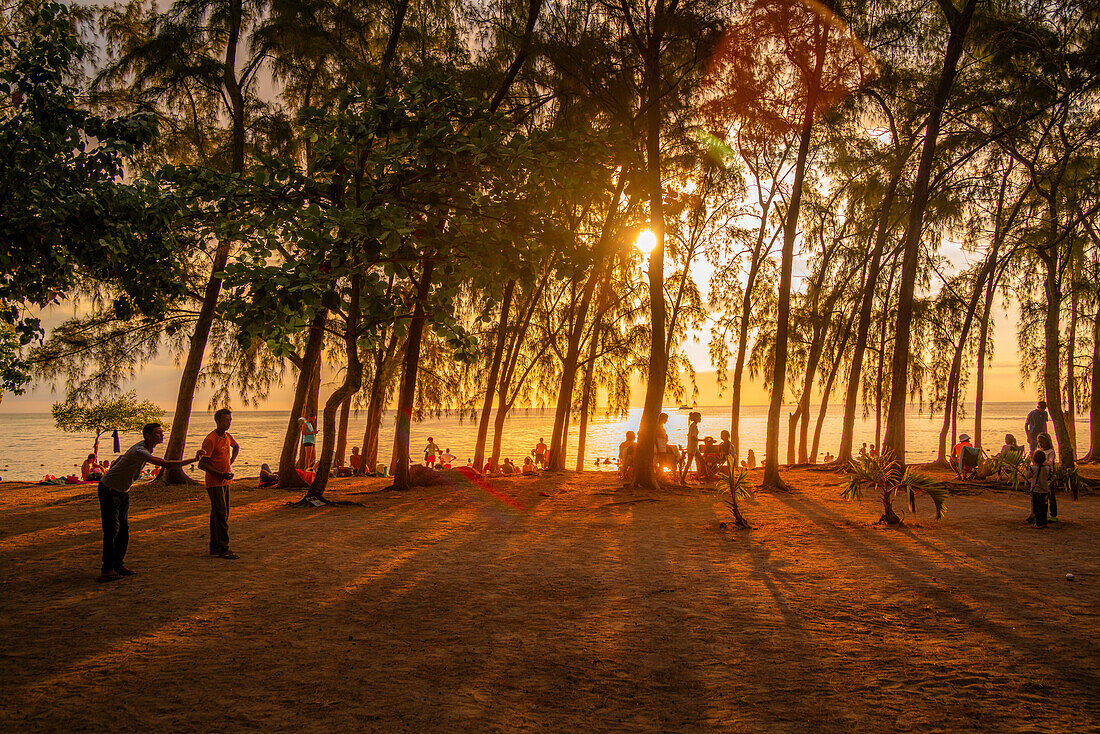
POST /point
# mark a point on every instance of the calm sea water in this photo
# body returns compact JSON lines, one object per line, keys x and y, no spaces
{"x":32,"y":447}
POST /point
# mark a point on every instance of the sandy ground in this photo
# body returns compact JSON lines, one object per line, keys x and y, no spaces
{"x":562,"y":603}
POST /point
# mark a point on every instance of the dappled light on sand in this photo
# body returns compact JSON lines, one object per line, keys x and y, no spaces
{"x":536,"y":603}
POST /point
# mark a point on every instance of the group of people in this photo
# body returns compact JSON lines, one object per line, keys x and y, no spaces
{"x":1041,"y":463}
{"x":219,"y":451}
{"x":92,"y":470}
{"x":710,"y":457}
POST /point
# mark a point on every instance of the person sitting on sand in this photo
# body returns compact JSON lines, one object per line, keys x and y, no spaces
{"x":828,"y":458}
{"x":268,"y":478}
{"x":529,"y":466}
{"x":961,"y":459}
{"x":446,"y":459}
{"x":751,"y":459}
{"x":430,"y":452}
{"x":89,"y":470}
{"x":355,"y":458}
{"x":626,"y":456}
{"x":509,"y":467}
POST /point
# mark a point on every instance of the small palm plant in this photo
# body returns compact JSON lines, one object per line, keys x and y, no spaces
{"x":887,"y":477}
{"x":1011,"y":467}
{"x":737,"y":486}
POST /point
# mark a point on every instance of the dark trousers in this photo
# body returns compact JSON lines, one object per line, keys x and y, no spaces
{"x":114,"y":509}
{"x":1053,"y":502}
{"x":219,"y":519}
{"x":1039,"y":508}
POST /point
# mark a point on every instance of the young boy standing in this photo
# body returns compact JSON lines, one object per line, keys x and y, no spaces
{"x":1038,"y":475}
{"x":220,"y":451}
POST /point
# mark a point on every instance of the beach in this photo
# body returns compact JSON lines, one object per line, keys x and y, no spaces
{"x":558,"y":603}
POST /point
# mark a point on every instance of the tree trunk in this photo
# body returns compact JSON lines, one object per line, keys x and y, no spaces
{"x":1051,"y":357}
{"x":828,"y":389}
{"x":181,"y":417}
{"x":742,"y":348}
{"x":771,"y":477}
{"x":959,"y":22}
{"x":342,"y":428}
{"x":408,"y":380}
{"x":288,"y":476}
{"x":556,"y":458}
{"x":376,"y":404}
{"x":491,"y":382}
{"x":645,"y":474}
{"x":851,"y":396}
{"x":586,"y":391}
{"x":951,"y":403}
{"x":341,"y":396}
{"x":1094,"y":394}
{"x":1071,"y":352}
{"x":983,"y":341}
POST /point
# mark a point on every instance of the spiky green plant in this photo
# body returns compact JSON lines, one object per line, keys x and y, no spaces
{"x":1067,"y":478}
{"x":737,"y":486}
{"x":1010,"y":467}
{"x":887,"y":477}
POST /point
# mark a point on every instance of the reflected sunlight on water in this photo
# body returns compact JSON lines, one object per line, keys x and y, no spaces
{"x":31,"y":447}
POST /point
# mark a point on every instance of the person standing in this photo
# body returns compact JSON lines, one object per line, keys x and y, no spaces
{"x":114,"y":497}
{"x":220,"y":451}
{"x":309,"y":440}
{"x":692,"y":447}
{"x":1039,"y":478}
{"x":430,"y":452}
{"x":540,"y":453}
{"x":1035,"y":424}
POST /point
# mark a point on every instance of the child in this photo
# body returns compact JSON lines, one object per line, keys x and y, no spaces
{"x":446,"y":458}
{"x":1038,"y":475}
{"x":430,"y":452}
{"x":1047,"y":447}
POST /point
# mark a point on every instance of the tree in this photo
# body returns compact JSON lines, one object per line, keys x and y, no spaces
{"x":68,"y":225}
{"x":123,"y":413}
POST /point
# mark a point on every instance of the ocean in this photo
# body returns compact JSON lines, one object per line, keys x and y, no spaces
{"x":31,"y":447}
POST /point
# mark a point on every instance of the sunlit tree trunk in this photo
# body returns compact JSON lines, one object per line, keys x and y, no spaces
{"x":384,"y":358}
{"x":401,"y":476}
{"x":181,"y":417}
{"x":342,"y":429}
{"x":828,"y":389}
{"x":556,"y":458}
{"x":288,"y":476}
{"x":959,"y":22}
{"x":1071,"y":354}
{"x":644,"y":470}
{"x":491,"y":381}
{"x":1048,"y":255}
{"x":586,"y":391}
{"x":1094,"y":395}
{"x":951,"y":404}
{"x":353,"y":380}
{"x":771,"y":477}
{"x":855,"y":372}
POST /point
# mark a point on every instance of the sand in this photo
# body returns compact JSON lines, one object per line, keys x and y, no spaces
{"x":561,"y":603}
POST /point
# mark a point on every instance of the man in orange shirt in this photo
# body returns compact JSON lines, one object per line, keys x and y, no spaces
{"x":220,"y":451}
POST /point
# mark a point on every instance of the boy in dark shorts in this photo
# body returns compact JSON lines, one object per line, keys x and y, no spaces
{"x":220,"y":451}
